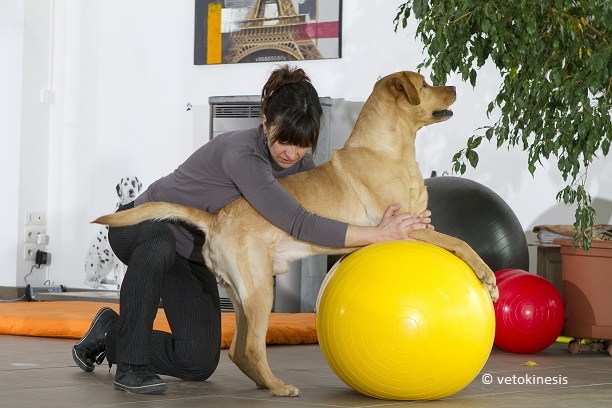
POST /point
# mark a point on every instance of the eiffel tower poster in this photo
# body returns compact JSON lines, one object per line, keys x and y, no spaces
{"x":239,"y":31}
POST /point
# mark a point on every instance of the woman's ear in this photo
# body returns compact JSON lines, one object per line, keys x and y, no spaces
{"x":264,"y":121}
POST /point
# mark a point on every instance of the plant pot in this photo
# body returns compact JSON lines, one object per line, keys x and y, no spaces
{"x":587,"y":289}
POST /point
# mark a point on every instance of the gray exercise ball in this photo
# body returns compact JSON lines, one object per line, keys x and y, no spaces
{"x":467,"y":210}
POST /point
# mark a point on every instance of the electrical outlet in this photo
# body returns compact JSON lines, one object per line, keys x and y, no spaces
{"x":31,"y":233}
{"x":35,"y":218}
{"x":29,"y":252}
{"x":47,"y":96}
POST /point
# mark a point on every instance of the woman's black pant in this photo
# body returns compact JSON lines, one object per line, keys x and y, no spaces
{"x":190,"y":299}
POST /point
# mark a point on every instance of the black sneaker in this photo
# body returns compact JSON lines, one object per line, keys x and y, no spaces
{"x":90,"y":349}
{"x":138,"y":379}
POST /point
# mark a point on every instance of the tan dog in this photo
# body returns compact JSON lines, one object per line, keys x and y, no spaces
{"x":374,"y":169}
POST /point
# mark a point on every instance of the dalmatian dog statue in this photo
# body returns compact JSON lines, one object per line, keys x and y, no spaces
{"x":102,"y":267}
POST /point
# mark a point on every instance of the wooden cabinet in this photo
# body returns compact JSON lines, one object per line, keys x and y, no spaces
{"x":549,"y":265}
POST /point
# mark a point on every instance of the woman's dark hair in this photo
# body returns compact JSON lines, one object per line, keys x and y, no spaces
{"x":291,"y":104}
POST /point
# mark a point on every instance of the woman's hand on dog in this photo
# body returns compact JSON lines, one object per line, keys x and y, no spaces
{"x":392,"y":227}
{"x":399,"y":226}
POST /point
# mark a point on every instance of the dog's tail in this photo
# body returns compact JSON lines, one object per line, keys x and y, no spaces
{"x":159,"y":211}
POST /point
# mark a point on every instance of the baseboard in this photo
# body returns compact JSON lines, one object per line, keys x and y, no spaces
{"x":11,"y":293}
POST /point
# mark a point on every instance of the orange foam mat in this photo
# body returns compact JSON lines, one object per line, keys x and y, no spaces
{"x":71,"y":319}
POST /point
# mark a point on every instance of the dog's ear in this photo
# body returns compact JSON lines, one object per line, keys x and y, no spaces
{"x":139,"y":183}
{"x":119,"y":188}
{"x":401,"y":86}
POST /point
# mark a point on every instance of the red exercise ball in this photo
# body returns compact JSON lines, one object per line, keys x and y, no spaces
{"x":529,"y":314}
{"x":505,"y":273}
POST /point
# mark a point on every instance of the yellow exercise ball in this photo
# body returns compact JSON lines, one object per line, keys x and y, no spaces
{"x":404,"y":320}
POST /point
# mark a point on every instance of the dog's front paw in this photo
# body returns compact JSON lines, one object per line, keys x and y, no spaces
{"x":487,"y":277}
{"x":285,"y":390}
{"x":493,"y":291}
{"x":490,"y":283}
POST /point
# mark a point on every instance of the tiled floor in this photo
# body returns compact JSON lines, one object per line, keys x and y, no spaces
{"x":39,"y":372}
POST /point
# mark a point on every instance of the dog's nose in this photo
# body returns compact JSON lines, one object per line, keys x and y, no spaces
{"x":453,"y":90}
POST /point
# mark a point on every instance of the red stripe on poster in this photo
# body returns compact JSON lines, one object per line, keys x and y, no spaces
{"x":328,"y":29}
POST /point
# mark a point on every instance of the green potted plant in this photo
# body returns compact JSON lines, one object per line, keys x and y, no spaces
{"x":555,"y":96}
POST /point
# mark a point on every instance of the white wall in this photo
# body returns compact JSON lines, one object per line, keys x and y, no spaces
{"x":123,"y":74}
{"x":11,"y":48}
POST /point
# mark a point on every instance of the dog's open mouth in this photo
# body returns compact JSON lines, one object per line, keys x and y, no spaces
{"x":446,"y":113}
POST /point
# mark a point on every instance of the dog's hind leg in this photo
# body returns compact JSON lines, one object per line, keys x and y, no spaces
{"x":248,"y":349}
